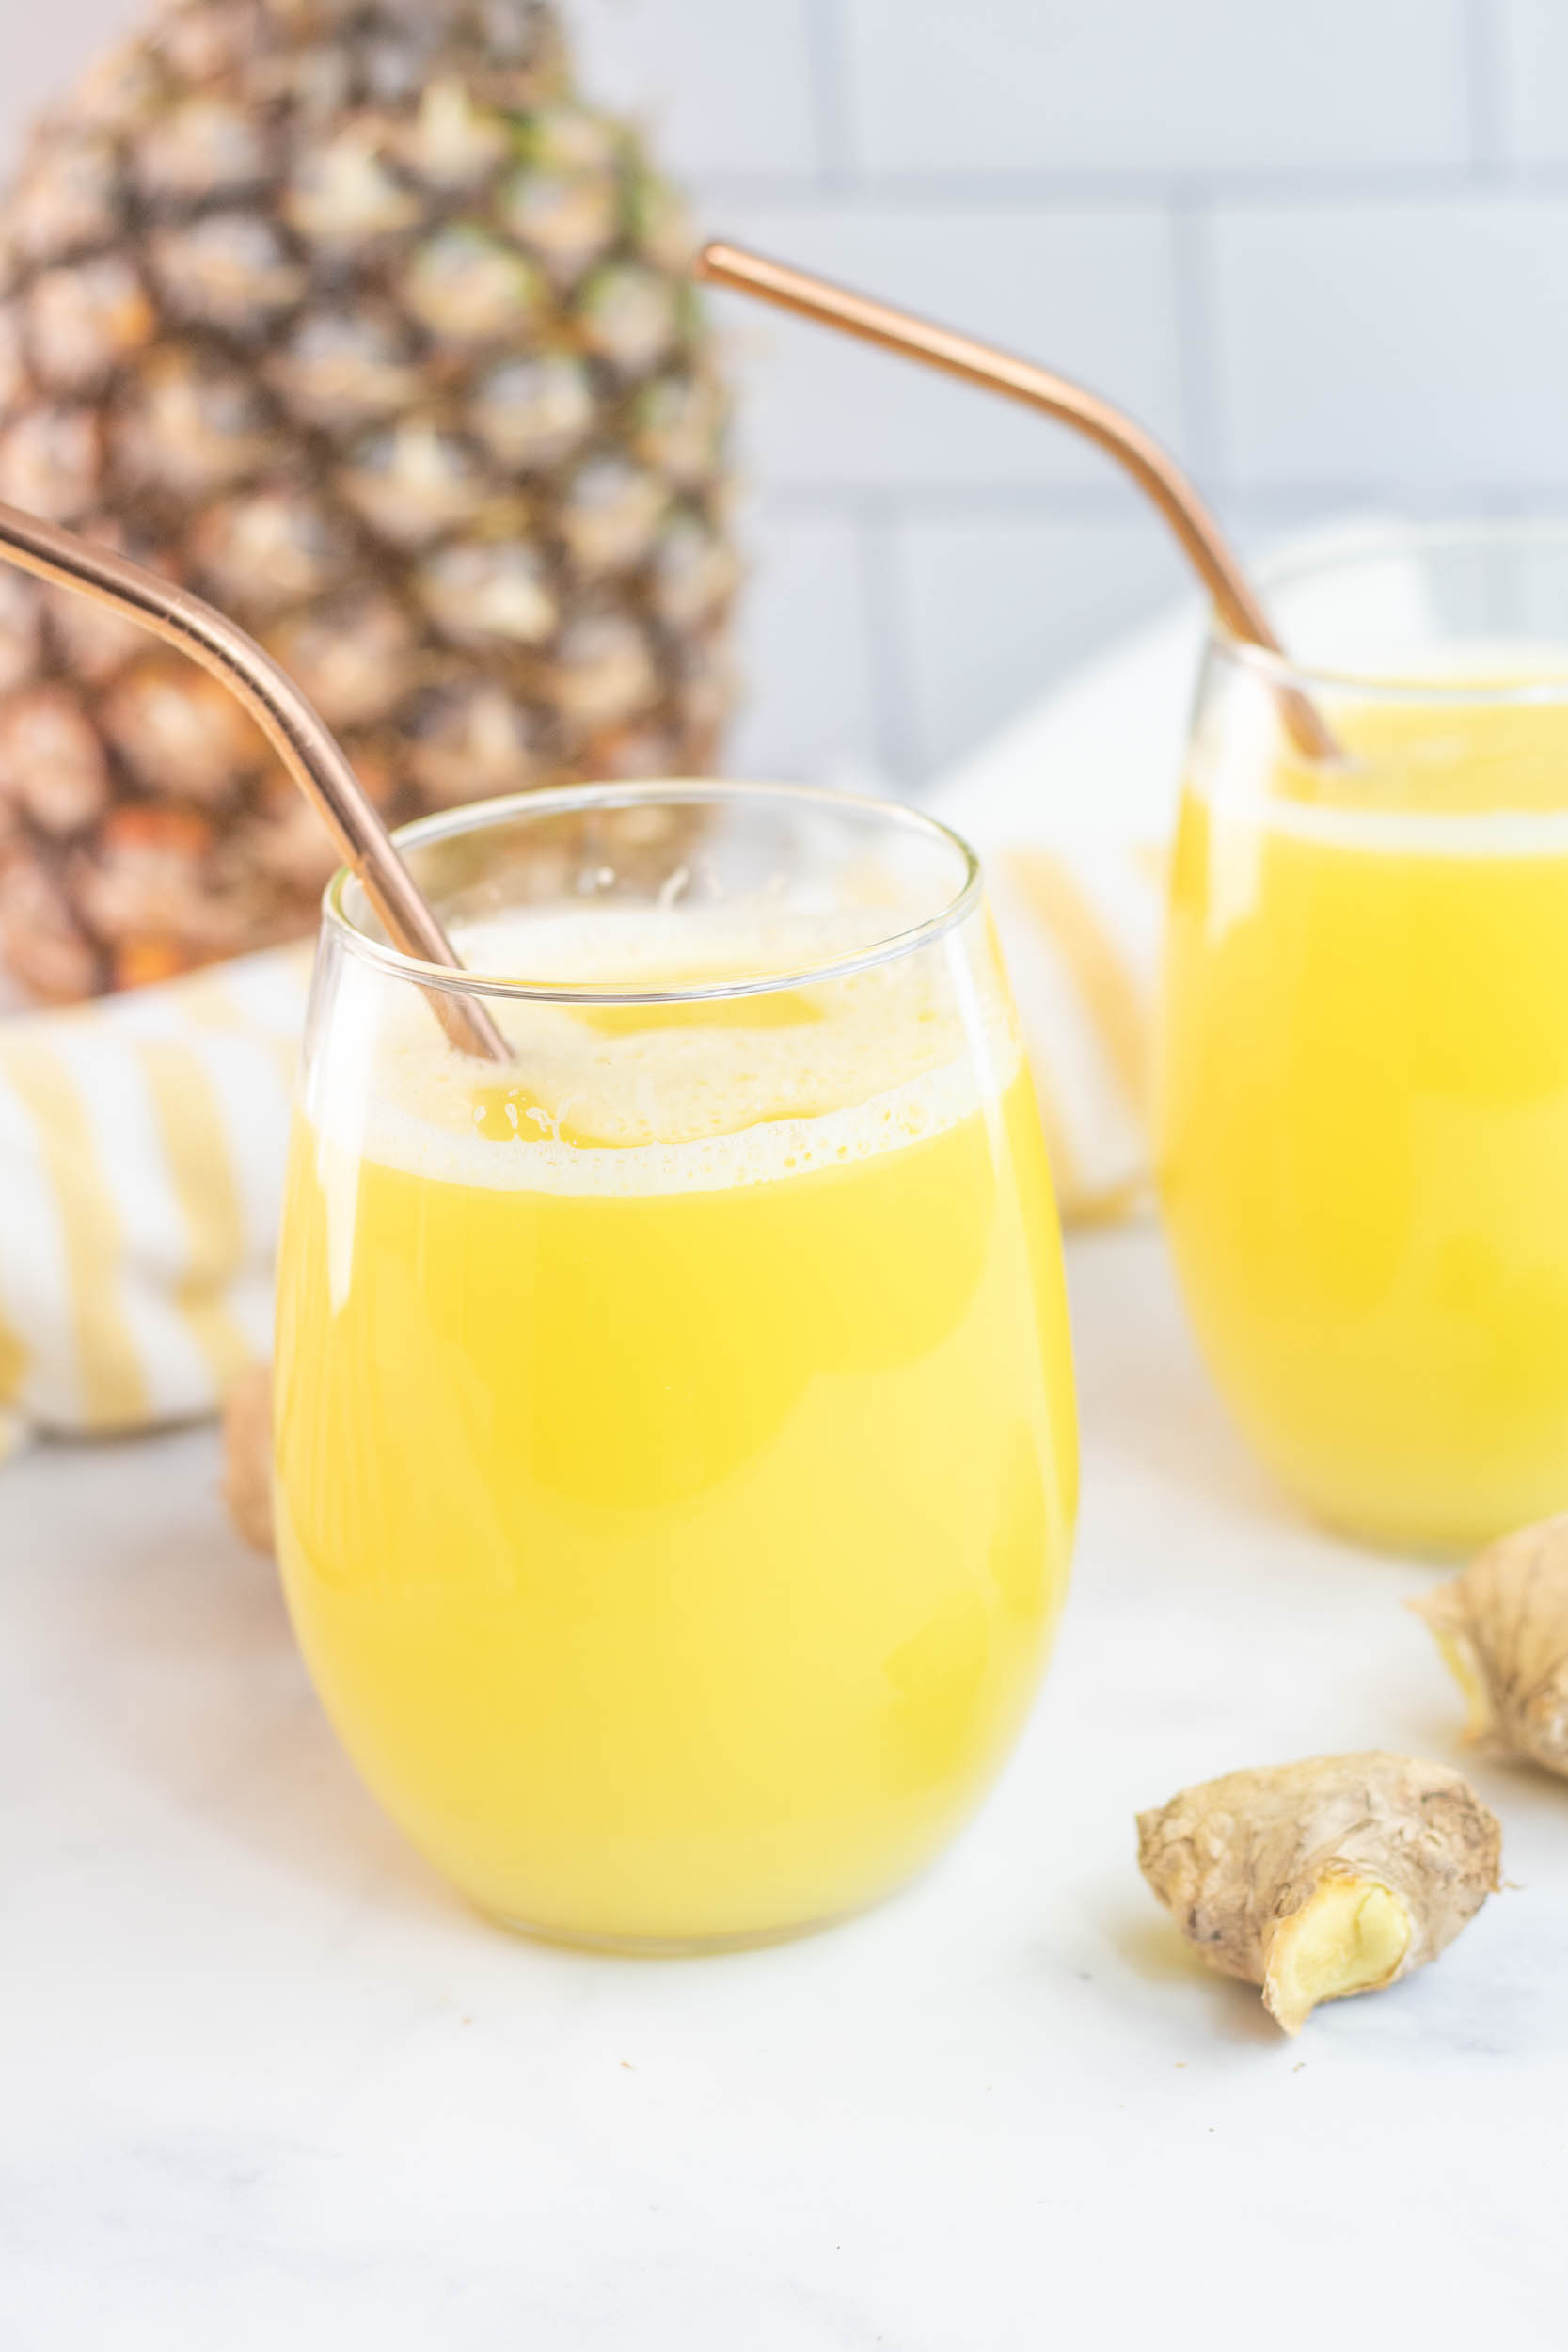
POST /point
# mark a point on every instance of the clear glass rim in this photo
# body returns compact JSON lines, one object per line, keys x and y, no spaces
{"x":572,"y":799}
{"x":1364,"y":543}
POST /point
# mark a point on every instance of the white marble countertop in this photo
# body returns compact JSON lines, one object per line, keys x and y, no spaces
{"x":263,"y":2083}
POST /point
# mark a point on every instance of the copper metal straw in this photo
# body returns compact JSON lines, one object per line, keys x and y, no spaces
{"x":1151,"y":468}
{"x":290,"y":723}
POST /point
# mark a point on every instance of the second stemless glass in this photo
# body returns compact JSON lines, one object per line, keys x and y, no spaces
{"x":1363,"y":1123}
{"x":675,"y":1442}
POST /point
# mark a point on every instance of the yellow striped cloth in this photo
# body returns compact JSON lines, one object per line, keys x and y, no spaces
{"x":141,"y":1162}
{"x":142,"y":1141}
{"x":1080,"y":931}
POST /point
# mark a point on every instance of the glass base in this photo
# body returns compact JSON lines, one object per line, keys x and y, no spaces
{"x":707,"y":1946}
{"x":1437,"y":1546}
{"x":675,"y":1947}
{"x":1393,"y":1538}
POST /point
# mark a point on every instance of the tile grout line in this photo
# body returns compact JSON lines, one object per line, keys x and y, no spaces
{"x":1196,"y":337}
{"x":1244,"y":506}
{"x":832,"y":98}
{"x":898,"y":748}
{"x":1483,"y":88}
{"x":1063,"y":194}
{"x":929,"y":505}
{"x":1114,"y":503}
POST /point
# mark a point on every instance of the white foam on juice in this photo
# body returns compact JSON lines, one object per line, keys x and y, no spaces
{"x":689,"y":1096}
{"x":607,"y":947}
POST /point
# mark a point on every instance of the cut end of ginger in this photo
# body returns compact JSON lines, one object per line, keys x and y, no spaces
{"x":1351,"y":1936}
{"x":1314,"y":1881}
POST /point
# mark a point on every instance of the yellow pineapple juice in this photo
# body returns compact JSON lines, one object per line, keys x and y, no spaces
{"x":1363,"y":1114}
{"x":675,"y":1446}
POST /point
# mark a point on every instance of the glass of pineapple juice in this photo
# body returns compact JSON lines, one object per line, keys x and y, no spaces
{"x":1363,"y":1100}
{"x":675,"y":1440}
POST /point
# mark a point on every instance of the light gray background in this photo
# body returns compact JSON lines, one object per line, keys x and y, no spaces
{"x":1323,"y":250}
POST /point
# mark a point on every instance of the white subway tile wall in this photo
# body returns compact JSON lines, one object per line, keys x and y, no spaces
{"x":808,"y":652}
{"x":1397,"y":344}
{"x":1322,"y":250}
{"x":988,"y":607}
{"x":1532,"y":79}
{"x":1136,"y":86}
{"x":1094,"y":289}
{"x":733,"y":88}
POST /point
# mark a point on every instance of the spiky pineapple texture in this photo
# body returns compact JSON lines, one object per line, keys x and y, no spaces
{"x":350,"y":315}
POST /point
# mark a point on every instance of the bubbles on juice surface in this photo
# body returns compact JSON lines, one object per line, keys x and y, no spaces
{"x":674,"y":1090}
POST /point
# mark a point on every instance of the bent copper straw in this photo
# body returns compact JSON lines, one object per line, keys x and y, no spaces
{"x":290,"y":723}
{"x":1151,"y":468}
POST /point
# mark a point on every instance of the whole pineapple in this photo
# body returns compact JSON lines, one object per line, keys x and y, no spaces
{"x":350,"y":316}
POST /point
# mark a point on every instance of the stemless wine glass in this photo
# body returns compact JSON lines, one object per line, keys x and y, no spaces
{"x":676,"y":1439}
{"x":1363,"y":1123}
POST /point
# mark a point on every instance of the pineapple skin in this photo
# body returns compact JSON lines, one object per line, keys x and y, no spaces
{"x":351,"y":316}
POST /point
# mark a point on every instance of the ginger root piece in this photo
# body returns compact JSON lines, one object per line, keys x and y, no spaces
{"x":1326,"y":1878}
{"x":1502,"y":1625}
{"x":247,"y":1456}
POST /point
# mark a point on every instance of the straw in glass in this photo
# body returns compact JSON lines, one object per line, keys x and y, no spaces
{"x":1152,"y":468}
{"x":291,"y":724}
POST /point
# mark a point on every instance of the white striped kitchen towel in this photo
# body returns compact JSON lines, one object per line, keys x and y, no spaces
{"x":141,"y":1162}
{"x":1080,"y":930}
